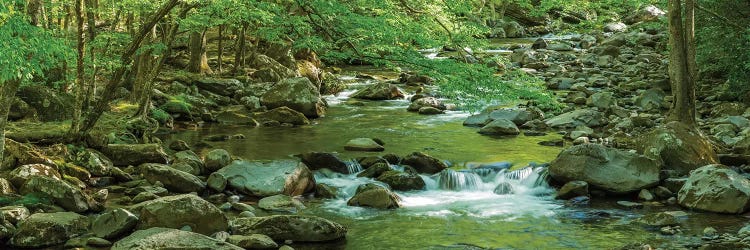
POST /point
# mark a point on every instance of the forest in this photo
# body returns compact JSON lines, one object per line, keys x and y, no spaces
{"x":361,"y":124}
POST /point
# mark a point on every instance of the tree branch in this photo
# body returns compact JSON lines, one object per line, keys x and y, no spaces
{"x":720,"y":17}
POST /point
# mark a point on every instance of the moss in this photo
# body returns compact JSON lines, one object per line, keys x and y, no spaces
{"x":160,"y":115}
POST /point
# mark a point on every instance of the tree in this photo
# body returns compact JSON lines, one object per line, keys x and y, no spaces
{"x":25,"y":51}
{"x":683,"y":70}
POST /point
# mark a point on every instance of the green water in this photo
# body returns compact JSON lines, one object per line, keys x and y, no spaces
{"x":438,"y":219}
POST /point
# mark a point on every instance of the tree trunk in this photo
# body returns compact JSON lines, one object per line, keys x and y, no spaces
{"x":239,"y":53}
{"x":80,"y":90}
{"x":221,"y":47}
{"x":681,"y":75}
{"x":7,"y":92}
{"x":198,"y":58}
{"x":114,"y":82}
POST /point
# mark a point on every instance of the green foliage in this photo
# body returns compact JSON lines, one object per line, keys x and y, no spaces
{"x":26,"y":50}
{"x":722,"y":48}
{"x":29,"y":199}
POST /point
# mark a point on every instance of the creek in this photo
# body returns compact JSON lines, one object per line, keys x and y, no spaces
{"x":458,"y":210}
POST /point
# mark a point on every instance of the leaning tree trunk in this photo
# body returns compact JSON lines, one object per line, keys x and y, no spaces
{"x":198,"y":58}
{"x":682,"y":62}
{"x":7,"y":92}
{"x":221,"y":47}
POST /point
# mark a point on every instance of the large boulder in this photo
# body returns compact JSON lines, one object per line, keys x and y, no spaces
{"x":375,"y":196}
{"x":513,"y":29}
{"x":648,"y":13}
{"x":217,"y":159}
{"x":319,"y":160}
{"x":295,"y":93}
{"x":716,"y":188}
{"x":95,"y":162}
{"x":379,"y":91}
{"x":679,"y":147}
{"x":179,"y":211}
{"x":518,"y":116}
{"x":21,"y":174}
{"x":284,"y":115}
{"x":270,"y":70}
{"x":578,"y":117}
{"x":500,"y":127}
{"x":114,"y":223}
{"x":430,"y":102}
{"x":402,"y":181}
{"x":224,"y":87}
{"x":189,"y":162}
{"x":58,"y":191}
{"x":50,"y":105}
{"x":290,"y":227}
{"x":235,"y":115}
{"x":48,"y":229}
{"x":168,"y":238}
{"x":264,"y":179}
{"x":424,"y":163}
{"x":609,"y":169}
{"x":135,"y":154}
{"x":174,"y":180}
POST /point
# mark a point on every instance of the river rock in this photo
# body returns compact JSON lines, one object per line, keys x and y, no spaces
{"x":503,"y":188}
{"x":477,"y":120}
{"x":95,"y":162}
{"x":217,"y":159}
{"x":609,"y":169}
{"x":651,"y":99}
{"x":21,"y":174}
{"x":573,"y":189}
{"x":375,"y":170}
{"x":513,"y":29}
{"x":648,"y":13}
{"x":135,"y":154}
{"x":48,"y":229}
{"x":168,"y":238}
{"x":284,"y":115}
{"x":602,"y":100}
{"x":264,"y":179}
{"x":376,"y":196}
{"x":253,"y":241}
{"x":578,"y":117}
{"x":402,"y":181}
{"x":50,"y":105}
{"x":659,"y":219}
{"x":363,"y":144}
{"x":432,"y":102}
{"x":179,"y":211}
{"x":297,"y":228}
{"x":280,"y":203}
{"x":295,"y":93}
{"x":60,"y":192}
{"x":379,"y":91}
{"x":188,"y":161}
{"x":235,"y":115}
{"x":114,"y":224}
{"x":716,"y":188}
{"x":325,"y":191}
{"x":500,"y":127}
{"x":224,"y":87}
{"x":319,"y":160}
{"x":6,"y":187}
{"x":14,"y":214}
{"x":424,"y":163}
{"x":429,"y":111}
{"x":679,"y":147}
{"x":518,"y":116}
{"x":615,"y":27}
{"x":174,"y":180}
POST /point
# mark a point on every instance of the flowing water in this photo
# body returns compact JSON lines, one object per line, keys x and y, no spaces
{"x":461,"y":207}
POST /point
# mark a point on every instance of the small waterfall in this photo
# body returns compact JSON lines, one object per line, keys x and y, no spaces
{"x":519,"y":174}
{"x":353,"y":166}
{"x":458,"y":180}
